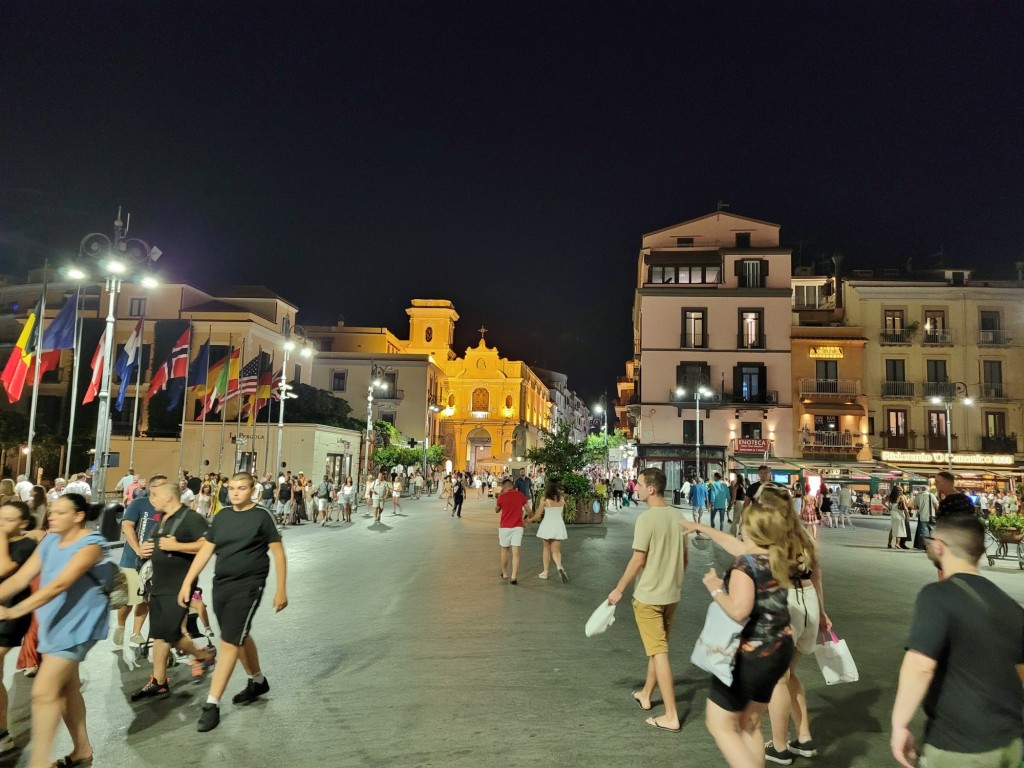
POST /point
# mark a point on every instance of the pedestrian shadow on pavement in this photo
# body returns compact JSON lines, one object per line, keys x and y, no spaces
{"x":844,"y":722}
{"x":380,"y":527}
{"x":153,"y":712}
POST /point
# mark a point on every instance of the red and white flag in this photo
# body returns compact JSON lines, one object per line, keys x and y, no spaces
{"x":174,"y":367}
{"x":98,"y":362}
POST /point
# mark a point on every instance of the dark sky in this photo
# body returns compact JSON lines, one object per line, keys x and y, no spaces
{"x":506,"y":155}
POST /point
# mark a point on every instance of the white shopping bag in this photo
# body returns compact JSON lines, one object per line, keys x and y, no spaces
{"x":602,"y":618}
{"x":836,"y":661}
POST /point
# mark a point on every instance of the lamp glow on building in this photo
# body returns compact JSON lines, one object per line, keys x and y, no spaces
{"x":698,"y":393}
{"x":952,"y":391}
{"x":602,"y":408}
{"x":116,"y":260}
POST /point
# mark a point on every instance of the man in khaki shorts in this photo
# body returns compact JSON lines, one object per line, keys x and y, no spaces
{"x":658,"y":561}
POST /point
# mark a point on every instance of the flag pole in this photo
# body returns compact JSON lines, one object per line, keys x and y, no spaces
{"x":255,"y":411}
{"x":184,"y":396}
{"x":270,"y":412}
{"x":202,"y":429}
{"x":135,"y":400}
{"x":238,"y":414}
{"x":37,"y":374}
{"x":77,"y":352}
{"x":223,"y":410}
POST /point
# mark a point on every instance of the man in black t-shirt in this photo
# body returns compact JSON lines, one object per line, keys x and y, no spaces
{"x":966,"y":639}
{"x":171,"y":547}
{"x":951,"y":501}
{"x":241,"y":535}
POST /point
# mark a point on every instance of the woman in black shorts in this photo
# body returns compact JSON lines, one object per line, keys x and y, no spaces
{"x":755,"y":592}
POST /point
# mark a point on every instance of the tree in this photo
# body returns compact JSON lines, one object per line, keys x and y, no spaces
{"x":317,"y":406}
{"x":435,"y":455}
{"x":596,"y":450}
{"x":559,"y":453}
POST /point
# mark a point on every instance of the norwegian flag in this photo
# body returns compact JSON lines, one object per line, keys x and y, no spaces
{"x":275,"y":387}
{"x":174,"y":367}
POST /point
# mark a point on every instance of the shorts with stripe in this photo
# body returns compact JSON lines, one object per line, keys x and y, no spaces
{"x":234,"y":605}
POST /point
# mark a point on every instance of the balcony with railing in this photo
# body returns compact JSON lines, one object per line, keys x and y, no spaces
{"x":763,"y":397}
{"x":747,"y":342}
{"x":945,"y":390}
{"x":993,"y":338}
{"x":693,"y":341}
{"x":999,"y":444}
{"x":829,"y":388}
{"x":830,"y":442}
{"x":389,"y":394}
{"x":914,"y":442}
{"x":902,"y":389}
{"x":993,"y":391}
{"x":896,"y":337}
{"x":937,"y":338}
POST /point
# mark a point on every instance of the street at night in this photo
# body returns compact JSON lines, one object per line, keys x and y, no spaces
{"x":401,"y":646}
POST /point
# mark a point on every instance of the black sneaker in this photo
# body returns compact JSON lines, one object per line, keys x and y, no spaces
{"x":151,"y":689}
{"x":803,"y":748}
{"x":772,"y":755}
{"x":251,"y":692}
{"x":209,"y":718}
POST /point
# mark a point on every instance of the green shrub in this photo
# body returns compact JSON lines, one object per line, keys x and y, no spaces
{"x":998,"y":522}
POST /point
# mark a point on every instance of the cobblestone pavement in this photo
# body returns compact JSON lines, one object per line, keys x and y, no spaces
{"x":401,"y":646}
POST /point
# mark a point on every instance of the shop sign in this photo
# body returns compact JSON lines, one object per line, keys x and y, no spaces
{"x":923,"y":457}
{"x":752,"y":445}
{"x":826,"y":353}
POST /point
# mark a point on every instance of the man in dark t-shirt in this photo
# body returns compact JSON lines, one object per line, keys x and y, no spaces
{"x":966,"y":639}
{"x":241,"y":536}
{"x":172,"y":548}
{"x":951,"y":501}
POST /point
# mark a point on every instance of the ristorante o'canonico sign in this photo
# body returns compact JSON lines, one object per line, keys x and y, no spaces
{"x":928,"y":457}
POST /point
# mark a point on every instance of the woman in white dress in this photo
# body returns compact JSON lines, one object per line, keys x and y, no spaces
{"x":899,"y":515}
{"x":552,"y":528}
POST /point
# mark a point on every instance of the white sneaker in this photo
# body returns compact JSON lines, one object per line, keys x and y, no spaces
{"x":542,"y":575}
{"x":137,"y":639}
{"x":118,"y":636}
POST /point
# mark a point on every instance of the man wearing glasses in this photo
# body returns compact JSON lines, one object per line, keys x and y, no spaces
{"x":965,"y":641}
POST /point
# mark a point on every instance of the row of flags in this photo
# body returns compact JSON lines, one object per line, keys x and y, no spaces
{"x":217,"y":384}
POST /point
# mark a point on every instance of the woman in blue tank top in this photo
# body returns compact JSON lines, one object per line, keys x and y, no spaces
{"x":72,"y":611}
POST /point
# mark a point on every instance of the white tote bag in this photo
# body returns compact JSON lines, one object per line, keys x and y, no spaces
{"x":836,"y":661}
{"x":718,"y":644}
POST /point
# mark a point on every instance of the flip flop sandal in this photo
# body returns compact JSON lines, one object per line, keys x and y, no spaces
{"x":68,"y":762}
{"x":654,"y":724}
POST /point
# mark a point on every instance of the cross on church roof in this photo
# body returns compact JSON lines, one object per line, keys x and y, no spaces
{"x":482,"y":330}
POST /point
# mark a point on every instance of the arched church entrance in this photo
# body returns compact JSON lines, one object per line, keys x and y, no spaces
{"x":478,"y":449}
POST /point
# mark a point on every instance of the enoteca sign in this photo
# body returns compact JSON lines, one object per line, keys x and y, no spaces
{"x":752,"y":445}
{"x":936,"y":457}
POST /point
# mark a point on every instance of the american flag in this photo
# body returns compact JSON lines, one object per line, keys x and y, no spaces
{"x":248,"y":380}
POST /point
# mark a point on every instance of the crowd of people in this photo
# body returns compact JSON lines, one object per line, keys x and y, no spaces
{"x":967,"y":636}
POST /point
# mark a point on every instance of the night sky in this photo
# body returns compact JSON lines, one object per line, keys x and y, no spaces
{"x":506,"y":155}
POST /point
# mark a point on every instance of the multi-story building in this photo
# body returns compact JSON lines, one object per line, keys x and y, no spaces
{"x":711,"y":323}
{"x":486,"y":410}
{"x":625,"y":387}
{"x":566,"y":405}
{"x":941,"y":337}
{"x":829,"y":401}
{"x":248,"y":318}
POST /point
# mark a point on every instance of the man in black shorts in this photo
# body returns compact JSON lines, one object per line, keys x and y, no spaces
{"x":176,"y":539}
{"x":241,"y":535}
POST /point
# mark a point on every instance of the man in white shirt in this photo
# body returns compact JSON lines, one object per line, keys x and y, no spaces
{"x":926,"y":505}
{"x":23,"y":488}
{"x":80,"y":486}
{"x":187,"y":497}
{"x":845,"y":505}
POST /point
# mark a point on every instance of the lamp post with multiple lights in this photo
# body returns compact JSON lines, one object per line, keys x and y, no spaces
{"x":951,"y":392}
{"x":117,"y":260}
{"x":377,"y":380}
{"x":284,"y":388}
{"x":698,"y":393}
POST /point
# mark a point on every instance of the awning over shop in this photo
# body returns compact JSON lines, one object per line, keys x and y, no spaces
{"x":832,"y":409}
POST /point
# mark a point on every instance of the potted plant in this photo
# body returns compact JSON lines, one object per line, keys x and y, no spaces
{"x":1007,"y":528}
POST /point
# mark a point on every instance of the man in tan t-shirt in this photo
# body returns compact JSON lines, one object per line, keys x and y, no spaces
{"x":658,"y":561}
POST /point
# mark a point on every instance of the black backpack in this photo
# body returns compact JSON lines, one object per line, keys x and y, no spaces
{"x":222,"y":494}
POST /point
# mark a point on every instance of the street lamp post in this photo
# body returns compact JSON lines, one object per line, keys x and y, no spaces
{"x":432,"y":407}
{"x":284,"y":388}
{"x":951,"y":391}
{"x":602,"y":408}
{"x":376,"y":380}
{"x":698,"y":393}
{"x":115,"y":258}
